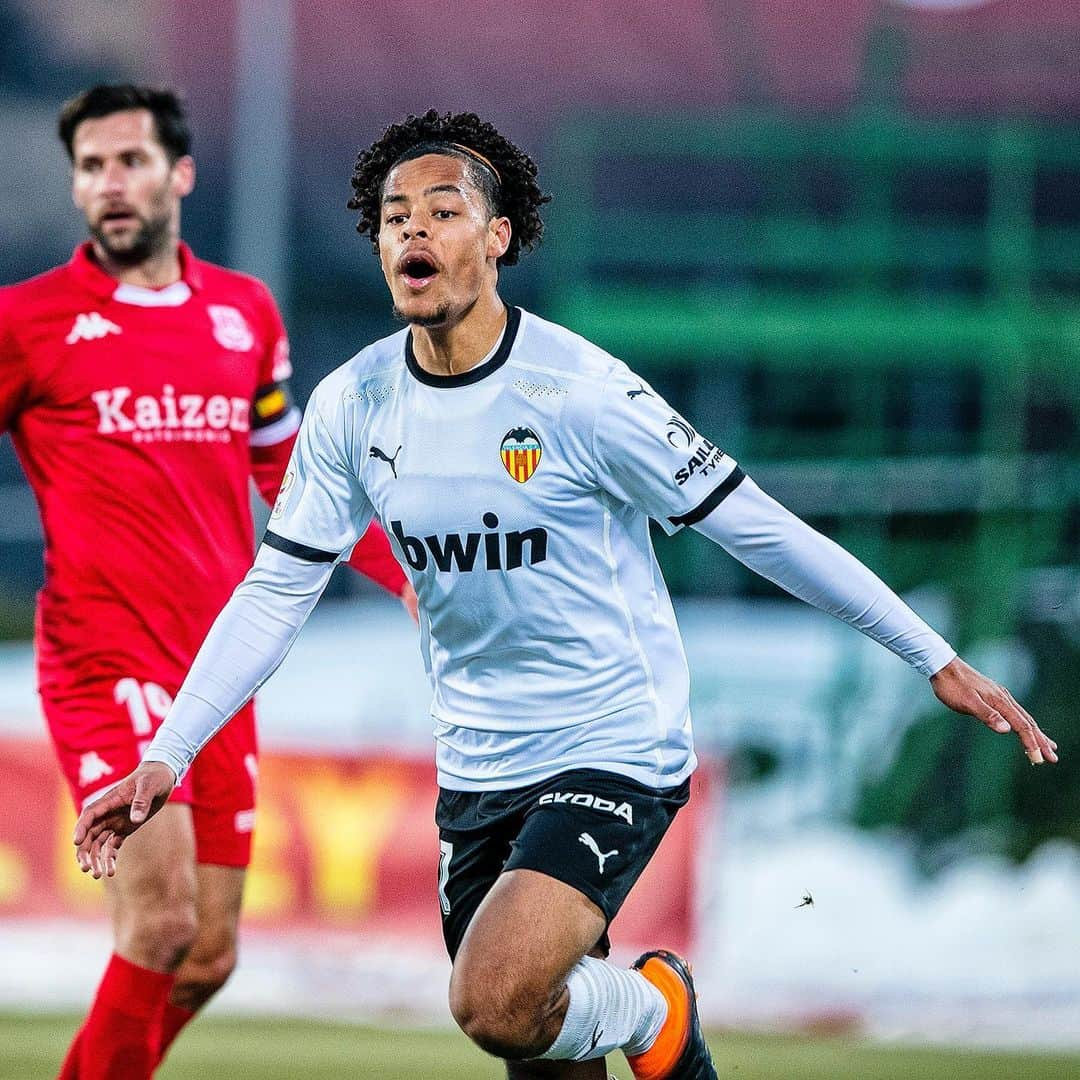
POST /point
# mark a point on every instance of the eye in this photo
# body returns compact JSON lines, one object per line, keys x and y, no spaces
{"x":395,"y":219}
{"x":444,"y":215}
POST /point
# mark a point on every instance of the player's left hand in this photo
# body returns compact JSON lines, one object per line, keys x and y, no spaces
{"x":104,"y":823}
{"x":965,"y":690}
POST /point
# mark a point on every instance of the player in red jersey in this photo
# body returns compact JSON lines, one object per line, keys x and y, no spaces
{"x":143,"y":388}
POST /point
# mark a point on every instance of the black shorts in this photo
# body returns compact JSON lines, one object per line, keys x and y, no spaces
{"x":593,"y":830}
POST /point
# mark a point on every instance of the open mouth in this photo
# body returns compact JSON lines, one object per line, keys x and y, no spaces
{"x":418,"y":271}
{"x":117,"y":217}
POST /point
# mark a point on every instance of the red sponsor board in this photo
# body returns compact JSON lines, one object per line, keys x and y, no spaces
{"x":340,"y":843}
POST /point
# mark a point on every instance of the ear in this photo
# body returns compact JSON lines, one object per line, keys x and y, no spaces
{"x":183,"y":175}
{"x":499,"y":232}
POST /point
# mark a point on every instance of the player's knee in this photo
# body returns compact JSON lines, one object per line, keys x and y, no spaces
{"x":507,"y":1022}
{"x":202,"y":976}
{"x":160,"y":938}
{"x":513,"y":1037}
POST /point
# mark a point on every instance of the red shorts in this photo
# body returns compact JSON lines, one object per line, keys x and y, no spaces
{"x":100,"y":735}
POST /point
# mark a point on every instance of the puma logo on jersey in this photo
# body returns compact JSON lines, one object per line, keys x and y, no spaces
{"x":375,"y":452}
{"x":592,"y":845}
{"x":631,"y":394}
{"x":583,"y":798}
{"x":456,"y":552}
{"x":170,"y":417}
{"x":90,"y":327}
{"x":92,"y":767}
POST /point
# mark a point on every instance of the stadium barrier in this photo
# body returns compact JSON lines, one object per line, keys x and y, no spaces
{"x":342,"y":843}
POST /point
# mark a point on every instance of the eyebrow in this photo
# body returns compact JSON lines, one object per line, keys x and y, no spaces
{"x":427,"y":191}
{"x":98,"y":155}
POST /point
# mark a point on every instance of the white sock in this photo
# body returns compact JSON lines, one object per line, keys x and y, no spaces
{"x":610,"y":1009}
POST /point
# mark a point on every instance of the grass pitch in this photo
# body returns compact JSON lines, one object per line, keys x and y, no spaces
{"x":31,"y":1047}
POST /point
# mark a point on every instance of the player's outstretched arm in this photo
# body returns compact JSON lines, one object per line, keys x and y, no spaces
{"x":965,"y":690}
{"x":775,"y":543}
{"x":104,"y":823}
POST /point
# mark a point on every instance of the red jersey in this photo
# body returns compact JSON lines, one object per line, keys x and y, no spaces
{"x":139,"y":416}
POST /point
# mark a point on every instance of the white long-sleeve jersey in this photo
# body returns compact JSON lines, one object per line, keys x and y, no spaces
{"x":517,"y":496}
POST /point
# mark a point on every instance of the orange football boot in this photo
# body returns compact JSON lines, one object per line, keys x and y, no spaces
{"x":680,"y":1051}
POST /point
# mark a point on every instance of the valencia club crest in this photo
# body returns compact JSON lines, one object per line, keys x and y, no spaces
{"x":521,"y":452}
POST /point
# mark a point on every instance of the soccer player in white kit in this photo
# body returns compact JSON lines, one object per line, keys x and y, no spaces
{"x":516,"y":467}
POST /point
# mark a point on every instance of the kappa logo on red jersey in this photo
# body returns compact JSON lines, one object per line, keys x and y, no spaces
{"x":90,"y":327}
{"x":169,"y":416}
{"x":92,"y":767}
{"x":230,"y":328}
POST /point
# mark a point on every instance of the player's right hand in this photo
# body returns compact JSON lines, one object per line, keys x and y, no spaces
{"x":104,"y":823}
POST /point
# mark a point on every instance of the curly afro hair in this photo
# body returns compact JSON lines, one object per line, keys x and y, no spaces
{"x":504,"y":174}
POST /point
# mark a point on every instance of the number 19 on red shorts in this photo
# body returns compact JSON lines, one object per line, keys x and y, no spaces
{"x":101,"y":731}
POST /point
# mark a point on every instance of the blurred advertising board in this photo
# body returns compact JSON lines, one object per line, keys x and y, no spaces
{"x":343,"y":843}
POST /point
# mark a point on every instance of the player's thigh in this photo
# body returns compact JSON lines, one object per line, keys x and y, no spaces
{"x":586,"y":834}
{"x":528,"y":932}
{"x":155,"y":885}
{"x":480,"y":833}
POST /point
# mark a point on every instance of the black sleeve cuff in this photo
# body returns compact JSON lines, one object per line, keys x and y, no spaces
{"x":712,"y":500}
{"x":298,"y":551}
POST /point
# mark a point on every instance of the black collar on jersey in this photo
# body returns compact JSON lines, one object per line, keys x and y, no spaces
{"x":481,"y":371}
